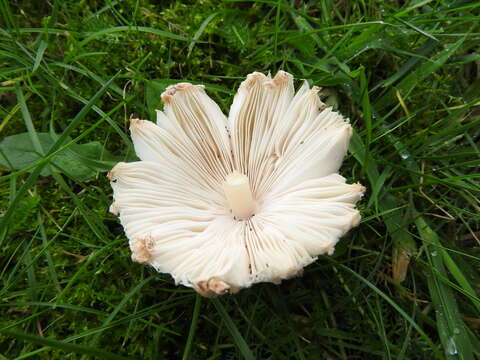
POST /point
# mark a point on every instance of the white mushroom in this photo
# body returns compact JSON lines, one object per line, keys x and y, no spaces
{"x":221,"y":204}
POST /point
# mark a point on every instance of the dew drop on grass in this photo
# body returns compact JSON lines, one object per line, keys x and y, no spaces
{"x":434,"y":253}
{"x":456,"y":331}
{"x":451,"y":347}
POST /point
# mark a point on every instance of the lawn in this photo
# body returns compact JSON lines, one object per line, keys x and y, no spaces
{"x":405,"y":284}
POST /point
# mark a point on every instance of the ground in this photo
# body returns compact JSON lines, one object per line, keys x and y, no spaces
{"x":402,"y":285}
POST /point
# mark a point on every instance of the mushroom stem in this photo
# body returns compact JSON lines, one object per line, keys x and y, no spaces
{"x":239,"y":196}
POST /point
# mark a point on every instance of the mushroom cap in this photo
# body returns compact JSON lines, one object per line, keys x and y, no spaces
{"x":172,"y":203}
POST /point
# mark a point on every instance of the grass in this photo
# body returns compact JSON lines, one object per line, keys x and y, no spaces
{"x":403,"y":285}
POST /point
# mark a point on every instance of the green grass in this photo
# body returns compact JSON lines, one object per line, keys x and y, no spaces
{"x":407,"y":74}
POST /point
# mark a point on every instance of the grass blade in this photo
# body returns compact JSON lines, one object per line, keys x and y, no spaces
{"x":193,"y":327}
{"x":452,"y":330}
{"x":232,"y":328}
{"x":69,"y":348}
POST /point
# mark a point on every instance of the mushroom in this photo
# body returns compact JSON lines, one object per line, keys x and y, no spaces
{"x":223,"y":203}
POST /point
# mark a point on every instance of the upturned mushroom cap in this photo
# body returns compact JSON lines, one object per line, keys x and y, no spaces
{"x":222,"y":203}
